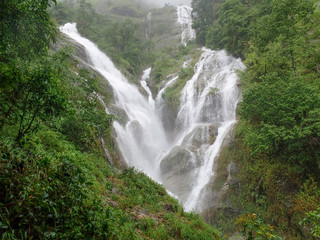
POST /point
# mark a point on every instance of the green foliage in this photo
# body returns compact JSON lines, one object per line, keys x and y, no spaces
{"x":308,"y":198}
{"x":252,"y":227}
{"x":29,"y":91}
{"x":170,"y":62}
{"x":121,"y":40}
{"x":231,"y":29}
{"x":162,"y":68}
{"x":281,"y":106}
{"x":284,"y":111}
{"x":45,"y":194}
{"x":313,"y":221}
{"x":62,"y":12}
{"x":84,"y":122}
{"x":234,"y":24}
{"x":276,"y":22}
{"x":202,"y":16}
{"x":277,"y":191}
{"x":140,"y":190}
{"x":25,"y":28}
{"x":84,"y":16}
{"x":29,"y":94}
{"x":50,"y":190}
{"x":159,"y":216}
{"x":173,"y":92}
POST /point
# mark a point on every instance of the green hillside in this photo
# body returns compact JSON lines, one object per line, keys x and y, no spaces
{"x":56,"y":182}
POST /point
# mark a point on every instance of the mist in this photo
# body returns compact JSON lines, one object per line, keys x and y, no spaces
{"x":161,"y":3}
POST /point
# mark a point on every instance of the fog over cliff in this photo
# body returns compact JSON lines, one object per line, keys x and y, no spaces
{"x":161,"y":3}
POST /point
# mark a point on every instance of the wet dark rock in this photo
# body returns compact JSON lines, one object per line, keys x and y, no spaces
{"x":115,"y":190}
{"x":219,"y":202}
{"x":136,"y":129}
{"x":170,"y":207}
{"x":119,"y":113}
{"x":177,"y":161}
{"x":178,"y":169}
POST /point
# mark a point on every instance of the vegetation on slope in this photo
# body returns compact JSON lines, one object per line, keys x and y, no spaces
{"x":278,"y":137}
{"x":120,"y":39}
{"x":173,"y":93}
{"x":55,"y":182}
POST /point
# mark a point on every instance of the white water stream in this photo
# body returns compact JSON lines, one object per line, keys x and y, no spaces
{"x":145,"y":76}
{"x":209,"y":97}
{"x":184,"y":18}
{"x":143,"y":137}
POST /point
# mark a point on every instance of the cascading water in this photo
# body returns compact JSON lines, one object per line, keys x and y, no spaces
{"x":159,"y":99}
{"x":143,"y":137}
{"x":145,"y":76}
{"x":206,"y":113}
{"x":184,"y":18}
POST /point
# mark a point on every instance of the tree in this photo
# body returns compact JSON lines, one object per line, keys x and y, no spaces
{"x":251,"y":227}
{"x":29,"y":94}
{"x":231,"y":30}
{"x":84,"y":15}
{"x":125,"y":44}
{"x":284,"y":23}
{"x":29,"y":91}
{"x":202,"y":16}
{"x":285,"y":119}
{"x":25,"y":28}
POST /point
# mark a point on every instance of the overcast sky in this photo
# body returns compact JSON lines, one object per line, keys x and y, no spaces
{"x":160,"y":3}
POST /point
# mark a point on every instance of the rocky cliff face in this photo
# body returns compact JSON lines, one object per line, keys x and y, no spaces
{"x":163,"y":28}
{"x":180,"y":166}
{"x":222,"y":194}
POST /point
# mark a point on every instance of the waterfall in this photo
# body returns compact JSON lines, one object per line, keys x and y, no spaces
{"x":143,"y":82}
{"x":142,"y":138}
{"x":206,"y":114}
{"x":147,"y":19}
{"x":159,"y":99}
{"x":183,"y":162}
{"x":184,"y":18}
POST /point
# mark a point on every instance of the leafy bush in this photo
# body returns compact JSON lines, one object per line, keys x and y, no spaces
{"x":313,"y":221}
{"x":284,"y":112}
{"x":46,"y":195}
{"x":252,"y":227}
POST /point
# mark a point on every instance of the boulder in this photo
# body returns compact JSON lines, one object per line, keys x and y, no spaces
{"x":177,"y":170}
{"x":178,"y":161}
{"x":217,"y":202}
{"x":181,"y":165}
{"x":119,"y":113}
{"x":135,"y":128}
{"x":205,"y":134}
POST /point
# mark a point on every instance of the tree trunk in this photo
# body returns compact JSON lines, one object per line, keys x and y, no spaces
{"x":293,"y":64}
{"x":249,"y":5}
{"x":315,"y":168}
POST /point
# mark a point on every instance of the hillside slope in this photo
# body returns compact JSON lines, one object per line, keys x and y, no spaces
{"x":57,"y":179}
